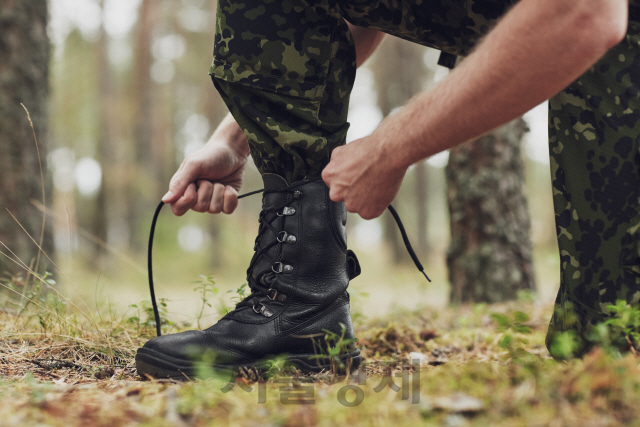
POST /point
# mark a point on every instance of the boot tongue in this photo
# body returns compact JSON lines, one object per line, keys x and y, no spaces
{"x":271,"y":182}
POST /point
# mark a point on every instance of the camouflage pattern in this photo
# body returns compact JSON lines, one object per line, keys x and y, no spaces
{"x":594,"y":136}
{"x":286,"y":68}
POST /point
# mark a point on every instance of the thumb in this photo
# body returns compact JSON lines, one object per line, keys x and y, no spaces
{"x":179,"y":182}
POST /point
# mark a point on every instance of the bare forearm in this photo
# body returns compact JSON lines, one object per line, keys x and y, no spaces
{"x":230,"y":133}
{"x":538,"y":49}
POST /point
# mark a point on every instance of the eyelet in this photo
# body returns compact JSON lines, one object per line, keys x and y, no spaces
{"x":264,"y":310}
{"x":279,"y":267}
{"x":284,"y":237}
{"x":287,"y":211}
{"x":274,"y":295}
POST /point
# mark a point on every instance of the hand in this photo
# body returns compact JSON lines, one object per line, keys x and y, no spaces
{"x":361,"y":175}
{"x":208,"y":180}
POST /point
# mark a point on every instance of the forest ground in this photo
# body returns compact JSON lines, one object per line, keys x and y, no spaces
{"x":483,"y":365}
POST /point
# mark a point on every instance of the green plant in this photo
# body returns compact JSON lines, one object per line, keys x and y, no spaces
{"x":274,"y":366}
{"x":24,"y":292}
{"x":624,"y":324}
{"x":145,"y":309}
{"x":510,"y":325}
{"x":618,"y":333}
{"x":206,"y":284}
{"x":240,"y":293}
{"x":333,"y":347}
{"x":565,"y":345}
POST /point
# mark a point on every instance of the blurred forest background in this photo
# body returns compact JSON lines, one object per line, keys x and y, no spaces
{"x":130,"y":97}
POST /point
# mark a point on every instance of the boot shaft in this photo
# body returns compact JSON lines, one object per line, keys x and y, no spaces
{"x":307,"y":258}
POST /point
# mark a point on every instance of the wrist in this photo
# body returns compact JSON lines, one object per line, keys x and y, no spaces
{"x":239,"y":144}
{"x":389,"y":150}
{"x":230,"y":135}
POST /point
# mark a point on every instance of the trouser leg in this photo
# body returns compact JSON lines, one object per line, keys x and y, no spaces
{"x":286,"y":68}
{"x":595,"y":168}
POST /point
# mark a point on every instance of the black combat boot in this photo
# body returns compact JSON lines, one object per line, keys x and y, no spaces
{"x":298,"y":277}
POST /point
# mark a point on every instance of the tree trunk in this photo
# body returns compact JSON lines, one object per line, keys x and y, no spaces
{"x":24,"y":53}
{"x":142,"y":165}
{"x":489,"y":259}
{"x":106,"y":141}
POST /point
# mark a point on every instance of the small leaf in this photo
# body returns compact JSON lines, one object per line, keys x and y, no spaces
{"x":520,"y":317}
{"x":501,"y":320}
{"x":504,"y":342}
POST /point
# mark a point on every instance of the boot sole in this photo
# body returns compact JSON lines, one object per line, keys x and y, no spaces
{"x":153,"y":364}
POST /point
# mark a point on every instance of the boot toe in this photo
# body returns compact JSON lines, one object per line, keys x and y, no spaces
{"x":182,"y":345}
{"x":193,"y":346}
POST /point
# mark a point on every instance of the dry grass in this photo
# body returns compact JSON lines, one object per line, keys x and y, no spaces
{"x":59,"y":367}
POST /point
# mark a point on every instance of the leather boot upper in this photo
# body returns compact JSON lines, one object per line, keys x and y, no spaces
{"x":298,"y":276}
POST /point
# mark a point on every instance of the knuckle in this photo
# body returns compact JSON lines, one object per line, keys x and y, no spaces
{"x":337,"y":195}
{"x":229,"y":207}
{"x":200,"y":207}
{"x":176,"y":181}
{"x":216,"y":207}
{"x":177,"y":211}
{"x":349,"y":207}
{"x":191,"y":165}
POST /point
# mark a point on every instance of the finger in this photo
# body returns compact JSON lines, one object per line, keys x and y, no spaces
{"x":350,"y":207}
{"x":217,"y":198}
{"x":336,"y":151}
{"x":186,"y":202}
{"x":367,"y":214}
{"x":230,"y":200}
{"x":371,"y":213}
{"x":205,"y":191}
{"x":336,"y":194}
{"x":185,"y":175}
{"x":327,"y":174}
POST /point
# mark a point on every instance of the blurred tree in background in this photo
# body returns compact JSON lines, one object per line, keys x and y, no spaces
{"x":396,"y":85}
{"x":490,"y":257}
{"x":24,"y":73}
{"x":141,"y":100}
{"x":130,"y":97}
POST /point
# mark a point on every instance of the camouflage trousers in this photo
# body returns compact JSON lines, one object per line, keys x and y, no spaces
{"x":285,"y":69}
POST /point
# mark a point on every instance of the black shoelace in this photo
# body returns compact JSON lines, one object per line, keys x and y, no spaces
{"x":262,"y":289}
{"x":259,"y":291}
